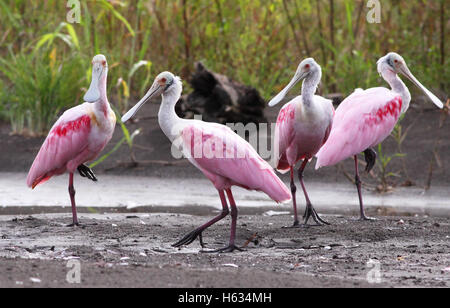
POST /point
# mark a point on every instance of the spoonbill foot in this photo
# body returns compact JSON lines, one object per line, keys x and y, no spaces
{"x":228,"y":249}
{"x":200,"y":239}
{"x":87,"y":172}
{"x":294,"y":226}
{"x":365,"y":218}
{"x":189,"y":238}
{"x":370,"y":156}
{"x":311,"y":212}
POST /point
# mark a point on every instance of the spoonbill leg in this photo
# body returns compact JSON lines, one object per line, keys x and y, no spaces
{"x":234,"y":213}
{"x":370,"y":156}
{"x":72,"y":200}
{"x":190,"y":237}
{"x":358,"y":182}
{"x":87,"y":172}
{"x":294,"y":200}
{"x":310,"y":211}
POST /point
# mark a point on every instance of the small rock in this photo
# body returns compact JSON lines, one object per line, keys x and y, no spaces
{"x":275,"y":213}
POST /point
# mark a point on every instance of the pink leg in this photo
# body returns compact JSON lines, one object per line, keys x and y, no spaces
{"x":294,"y":201}
{"x":363,"y":216}
{"x":72,"y":200}
{"x":234,"y":213}
{"x":310,"y":211}
{"x":190,"y":237}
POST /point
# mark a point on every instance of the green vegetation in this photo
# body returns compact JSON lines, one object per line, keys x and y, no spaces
{"x":45,"y":62}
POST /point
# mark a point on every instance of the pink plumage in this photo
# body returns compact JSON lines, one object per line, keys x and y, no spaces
{"x":226,"y":159}
{"x":366,"y":118}
{"x":303,"y":126}
{"x":362,"y":121}
{"x":62,"y":150}
{"x":296,"y":138}
{"x":78,"y":136}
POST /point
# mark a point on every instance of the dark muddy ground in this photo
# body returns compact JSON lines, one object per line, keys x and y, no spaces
{"x":133,"y":250}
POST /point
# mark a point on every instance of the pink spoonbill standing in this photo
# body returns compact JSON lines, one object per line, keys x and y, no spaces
{"x":303,"y":126}
{"x":78,"y":136}
{"x":366,"y":118}
{"x":224,"y":158}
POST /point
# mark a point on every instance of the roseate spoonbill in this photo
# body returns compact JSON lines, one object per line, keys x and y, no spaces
{"x":303,"y":126}
{"x":366,"y":118}
{"x":78,"y":136}
{"x":224,"y":158}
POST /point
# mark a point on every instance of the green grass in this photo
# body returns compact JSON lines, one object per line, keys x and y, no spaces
{"x":45,"y":62}
{"x":39,"y":88}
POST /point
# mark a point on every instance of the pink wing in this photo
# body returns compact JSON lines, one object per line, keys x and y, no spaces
{"x":226,"y":159}
{"x":284,"y":134}
{"x":65,"y":147}
{"x":362,"y":120}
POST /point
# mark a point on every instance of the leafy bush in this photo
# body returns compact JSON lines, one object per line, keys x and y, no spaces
{"x":40,"y":86}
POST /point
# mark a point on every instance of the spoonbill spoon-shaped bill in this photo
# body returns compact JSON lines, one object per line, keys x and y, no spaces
{"x":225,"y":158}
{"x":78,"y":136}
{"x":303,"y":126}
{"x":366,"y":118}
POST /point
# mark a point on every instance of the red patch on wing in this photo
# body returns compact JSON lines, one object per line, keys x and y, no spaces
{"x":82,"y":122}
{"x":392,"y":108}
{"x":286,"y":113}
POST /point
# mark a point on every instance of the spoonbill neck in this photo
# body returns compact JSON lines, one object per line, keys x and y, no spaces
{"x":168,"y":119}
{"x":398,"y":86}
{"x":309,"y":88}
{"x":103,"y":104}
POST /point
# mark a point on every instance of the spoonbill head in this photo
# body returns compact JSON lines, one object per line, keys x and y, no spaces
{"x":308,"y":68}
{"x":164,"y":84}
{"x":99,"y":74}
{"x":391,"y":65}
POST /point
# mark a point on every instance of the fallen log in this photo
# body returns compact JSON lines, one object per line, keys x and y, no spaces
{"x":220,"y":99}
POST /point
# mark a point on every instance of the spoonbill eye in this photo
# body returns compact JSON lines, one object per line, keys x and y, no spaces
{"x":163,"y":80}
{"x":104,"y":62}
{"x":307,"y":66}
